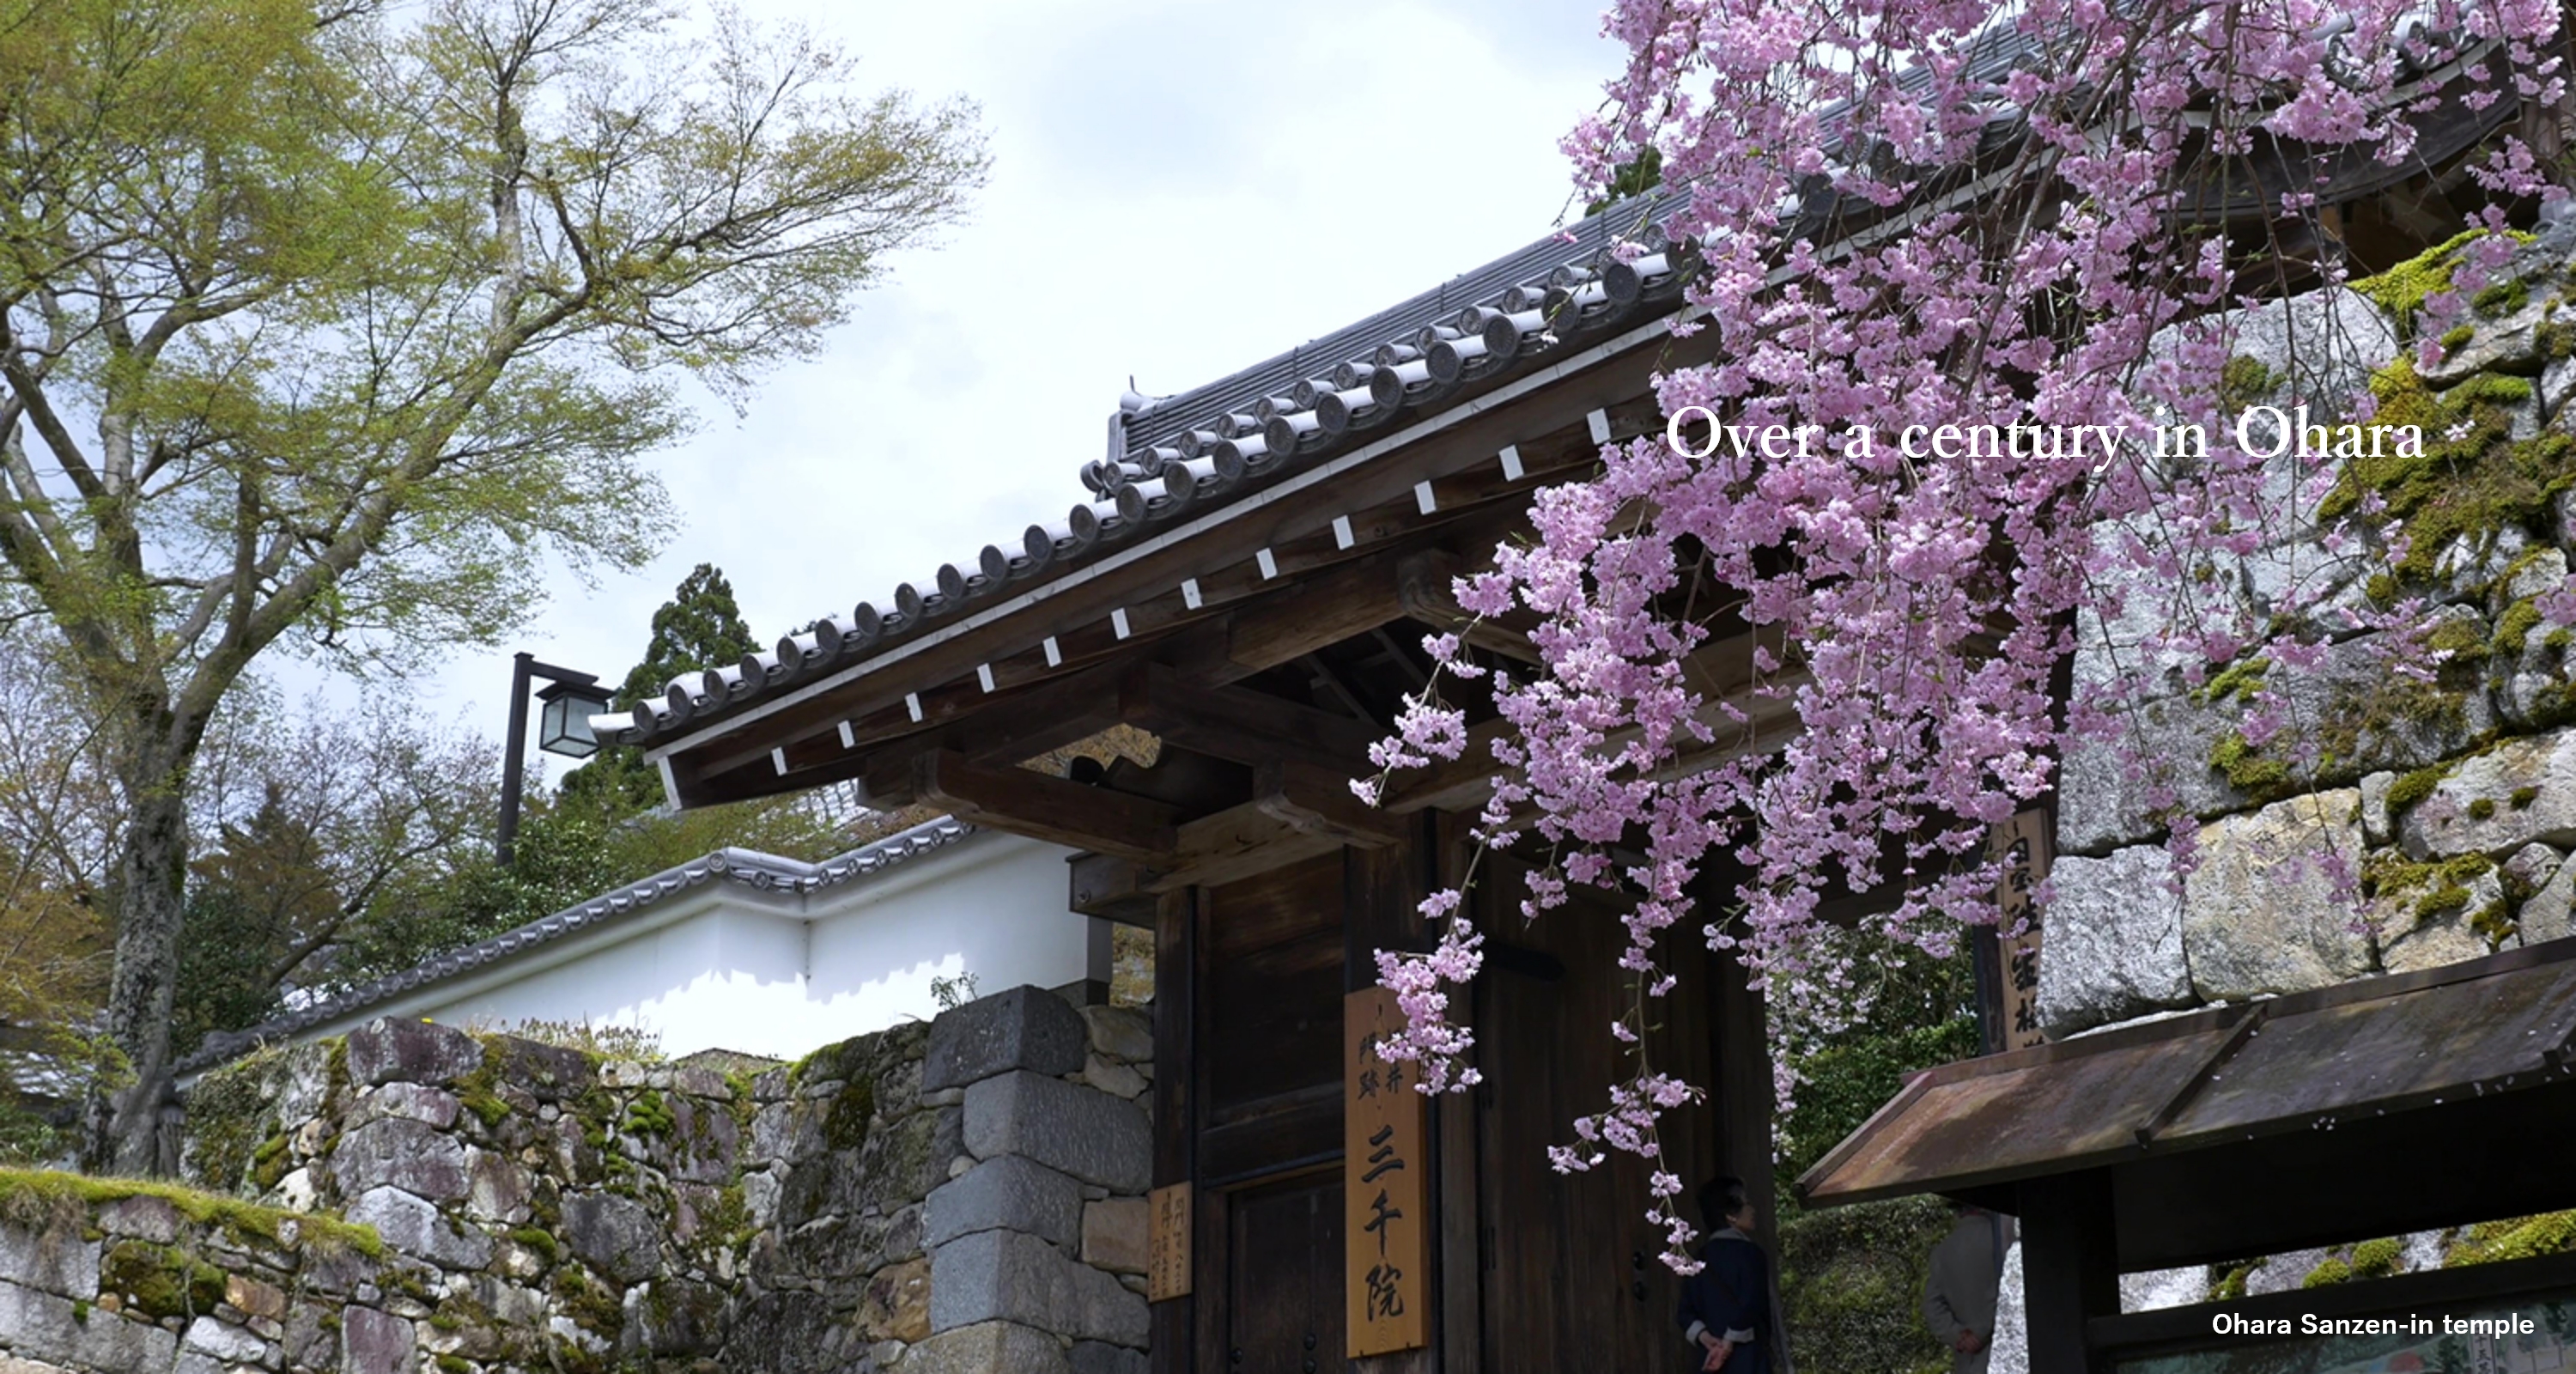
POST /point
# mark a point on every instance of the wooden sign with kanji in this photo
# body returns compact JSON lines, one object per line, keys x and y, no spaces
{"x":1385,"y":1185}
{"x":1167,"y":1254}
{"x":2021,"y":845}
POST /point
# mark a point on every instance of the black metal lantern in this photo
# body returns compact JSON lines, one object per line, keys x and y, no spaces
{"x":563,"y":726}
{"x":570,"y":698}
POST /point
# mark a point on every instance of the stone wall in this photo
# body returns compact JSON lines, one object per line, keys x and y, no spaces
{"x":961,"y":1195}
{"x":2395,"y":824}
{"x":102,"y":1275}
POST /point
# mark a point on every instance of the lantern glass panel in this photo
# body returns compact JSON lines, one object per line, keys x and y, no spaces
{"x":564,"y":728}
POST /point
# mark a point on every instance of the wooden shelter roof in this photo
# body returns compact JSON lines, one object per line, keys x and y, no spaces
{"x":2257,"y":1127}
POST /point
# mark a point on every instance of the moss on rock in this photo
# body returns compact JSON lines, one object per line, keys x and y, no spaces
{"x":2401,"y":290}
{"x":245,"y":1220}
{"x":161,"y":1280}
{"x":1851,"y":1284}
{"x":2473,"y":479}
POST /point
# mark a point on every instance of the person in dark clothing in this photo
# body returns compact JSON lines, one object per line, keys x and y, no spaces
{"x":1726,"y":1306}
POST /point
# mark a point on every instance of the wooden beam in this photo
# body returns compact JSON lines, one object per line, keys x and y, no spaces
{"x":1240,"y":724}
{"x":1176,"y":1095}
{"x":1236,"y":843}
{"x":1045,"y":808}
{"x":1112,"y":888}
{"x":1296,"y":812}
{"x":1352,"y":599}
{"x":1422,"y":586}
{"x":1318,"y":801}
{"x":2069,"y":1267}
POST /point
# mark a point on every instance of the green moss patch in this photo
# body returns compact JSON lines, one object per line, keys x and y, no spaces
{"x":2241,"y":679}
{"x":845,"y":1126}
{"x":648,"y":1115}
{"x":2438,"y":887}
{"x":2552,"y":1233}
{"x":2401,"y":290}
{"x":2473,"y":479}
{"x":161,"y":1280}
{"x":1851,"y":1285}
{"x":22,"y":1188}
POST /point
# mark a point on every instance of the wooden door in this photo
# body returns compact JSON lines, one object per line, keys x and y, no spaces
{"x":1270,"y":978}
{"x":1572,"y":1278}
{"x":1284,"y":1299}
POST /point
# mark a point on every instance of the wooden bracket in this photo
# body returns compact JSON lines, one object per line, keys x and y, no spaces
{"x":1422,"y":587}
{"x":1318,"y":801}
{"x":1053,"y":809}
{"x":1242,"y":725}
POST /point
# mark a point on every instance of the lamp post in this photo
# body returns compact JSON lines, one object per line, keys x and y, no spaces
{"x":564,"y":728}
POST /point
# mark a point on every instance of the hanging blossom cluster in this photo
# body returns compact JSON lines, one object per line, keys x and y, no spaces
{"x":1893,"y":228}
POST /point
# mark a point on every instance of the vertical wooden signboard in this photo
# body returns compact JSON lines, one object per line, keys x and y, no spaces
{"x":1167,"y":1255}
{"x":2021,"y":845}
{"x":1386,"y":1209}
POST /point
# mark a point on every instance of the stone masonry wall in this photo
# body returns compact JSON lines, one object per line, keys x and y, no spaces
{"x":101,"y":1275}
{"x":963,"y":1195}
{"x":2450,"y":803}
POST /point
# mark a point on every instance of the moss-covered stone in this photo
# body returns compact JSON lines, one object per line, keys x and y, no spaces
{"x":2240,"y":679}
{"x":1851,"y":1285}
{"x":845,"y":1126}
{"x":2472,"y":480}
{"x":2401,"y":290}
{"x":2331,"y":1270}
{"x":2502,"y":298}
{"x":231,"y":1111}
{"x":648,"y":1116}
{"x":2249,"y":771}
{"x":2514,"y":627}
{"x":20,"y":1188}
{"x":2552,"y":1233}
{"x":588,"y":1305}
{"x":2437,"y":887}
{"x":161,"y":1280}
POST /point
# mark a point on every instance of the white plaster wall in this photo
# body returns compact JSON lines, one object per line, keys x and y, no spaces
{"x":973,"y":908}
{"x":728,"y":967}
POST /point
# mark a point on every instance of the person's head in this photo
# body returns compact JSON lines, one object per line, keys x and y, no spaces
{"x":1723,"y":1203}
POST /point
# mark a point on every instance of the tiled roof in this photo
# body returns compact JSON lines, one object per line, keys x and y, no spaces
{"x":1172,"y":458}
{"x":750,"y":868}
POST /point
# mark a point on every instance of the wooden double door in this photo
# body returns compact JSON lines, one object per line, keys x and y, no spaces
{"x":1532,"y":1270}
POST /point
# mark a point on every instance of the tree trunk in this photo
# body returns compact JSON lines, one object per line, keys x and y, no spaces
{"x":151,"y":894}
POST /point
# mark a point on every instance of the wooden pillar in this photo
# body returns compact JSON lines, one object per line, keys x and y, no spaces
{"x":2070,"y":1268}
{"x":1455,"y":1135}
{"x":1744,"y":1094}
{"x":1175,"y":1117}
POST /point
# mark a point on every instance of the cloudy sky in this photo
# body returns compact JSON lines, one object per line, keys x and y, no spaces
{"x":1179,"y":189}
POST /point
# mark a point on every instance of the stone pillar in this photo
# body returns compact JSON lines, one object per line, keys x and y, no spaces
{"x":1037,"y":1241}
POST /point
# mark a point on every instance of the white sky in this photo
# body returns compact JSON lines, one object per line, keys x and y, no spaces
{"x":1178,"y":190}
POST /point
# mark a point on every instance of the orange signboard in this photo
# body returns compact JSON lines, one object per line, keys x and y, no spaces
{"x":1386,"y":1190}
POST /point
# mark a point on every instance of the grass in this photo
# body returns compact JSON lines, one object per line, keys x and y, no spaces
{"x":32,"y":1195}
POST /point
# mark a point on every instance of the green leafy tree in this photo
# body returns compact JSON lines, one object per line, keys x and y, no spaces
{"x":566,"y":854}
{"x":312,"y":317}
{"x":699,"y":627}
{"x":262,"y":893}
